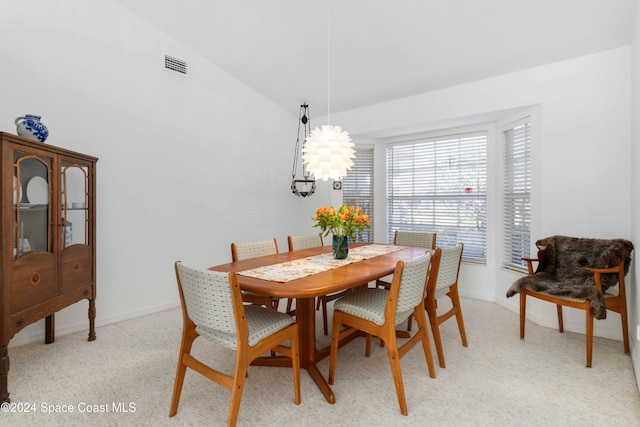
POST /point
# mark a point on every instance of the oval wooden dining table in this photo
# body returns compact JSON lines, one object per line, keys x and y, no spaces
{"x":306,"y":289}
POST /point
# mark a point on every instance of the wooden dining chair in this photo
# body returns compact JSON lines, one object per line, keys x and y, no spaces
{"x":598,"y":266}
{"x":212,"y":307}
{"x":247,"y":250}
{"x":410,"y":238}
{"x":377,"y":311}
{"x":297,"y":243}
{"x":443,"y":281}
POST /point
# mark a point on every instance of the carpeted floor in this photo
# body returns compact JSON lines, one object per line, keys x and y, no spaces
{"x":125,"y":378}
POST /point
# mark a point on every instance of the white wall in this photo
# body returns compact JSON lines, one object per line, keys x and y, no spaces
{"x":634,"y":292}
{"x":187,"y":164}
{"x":580,"y":157}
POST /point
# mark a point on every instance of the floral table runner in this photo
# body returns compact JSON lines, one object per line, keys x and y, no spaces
{"x":303,"y":267}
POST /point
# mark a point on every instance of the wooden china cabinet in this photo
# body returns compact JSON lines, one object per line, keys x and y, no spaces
{"x":48,"y":233}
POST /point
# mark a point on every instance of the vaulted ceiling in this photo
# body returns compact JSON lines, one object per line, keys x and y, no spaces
{"x":353,"y":53}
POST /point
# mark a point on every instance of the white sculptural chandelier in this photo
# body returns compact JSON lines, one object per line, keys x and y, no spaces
{"x":328,"y":153}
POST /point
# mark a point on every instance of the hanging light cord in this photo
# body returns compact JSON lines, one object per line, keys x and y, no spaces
{"x":328,"y":62}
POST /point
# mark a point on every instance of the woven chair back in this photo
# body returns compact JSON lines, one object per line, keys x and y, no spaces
{"x":412,"y":284}
{"x":298,"y":243}
{"x":207,"y":296}
{"x":449,"y":266}
{"x":414,"y":238}
{"x":254,"y":249}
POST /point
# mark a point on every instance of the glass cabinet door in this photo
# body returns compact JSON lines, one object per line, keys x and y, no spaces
{"x":75,"y":204}
{"x":32,"y":190}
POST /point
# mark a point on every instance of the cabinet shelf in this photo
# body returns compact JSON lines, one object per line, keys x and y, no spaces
{"x":29,"y":207}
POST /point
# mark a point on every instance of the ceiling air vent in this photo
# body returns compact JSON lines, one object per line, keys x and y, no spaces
{"x":175,"y":64}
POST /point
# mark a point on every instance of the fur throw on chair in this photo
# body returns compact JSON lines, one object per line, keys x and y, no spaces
{"x":561,"y":268}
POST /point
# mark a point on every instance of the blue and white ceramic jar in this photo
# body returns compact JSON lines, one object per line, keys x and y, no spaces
{"x":30,"y":126}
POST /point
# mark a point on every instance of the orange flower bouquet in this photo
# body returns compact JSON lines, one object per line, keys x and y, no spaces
{"x":342,"y":222}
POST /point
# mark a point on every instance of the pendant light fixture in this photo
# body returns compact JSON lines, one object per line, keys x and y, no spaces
{"x":328,"y":151}
{"x":307,"y":186}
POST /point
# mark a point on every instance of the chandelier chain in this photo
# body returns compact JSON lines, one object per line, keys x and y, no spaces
{"x":303,"y":117}
{"x":297,"y":149}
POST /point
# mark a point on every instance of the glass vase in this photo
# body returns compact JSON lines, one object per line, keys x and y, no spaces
{"x":340,"y":247}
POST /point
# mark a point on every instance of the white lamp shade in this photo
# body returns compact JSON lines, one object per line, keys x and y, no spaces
{"x":328,"y":153}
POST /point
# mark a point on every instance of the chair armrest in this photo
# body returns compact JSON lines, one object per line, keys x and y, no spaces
{"x":530,"y":262}
{"x":598,"y":271}
{"x":615,"y":269}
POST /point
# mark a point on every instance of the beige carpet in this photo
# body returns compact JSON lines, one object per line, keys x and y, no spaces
{"x":498,"y":380}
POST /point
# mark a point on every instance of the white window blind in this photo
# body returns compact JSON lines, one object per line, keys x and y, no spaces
{"x":517,"y":194}
{"x":357,"y":188}
{"x":439,"y":185}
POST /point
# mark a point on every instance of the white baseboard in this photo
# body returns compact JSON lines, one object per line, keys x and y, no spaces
{"x":33,"y":335}
{"x":476,"y":296}
{"x":635,"y":360}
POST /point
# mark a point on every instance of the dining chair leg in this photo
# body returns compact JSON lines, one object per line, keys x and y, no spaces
{"x":177,"y":387}
{"x":394,"y":361}
{"x":325,"y":323}
{"x":336,"y":336}
{"x":367,"y":351}
{"x":421,"y":320}
{"x":625,"y":328}
{"x":455,"y":298}
{"x":523,"y":312}
{"x":295,"y":365}
{"x":589,"y":337}
{"x":463,"y":333}
{"x":435,"y":330}
{"x":237,"y":388}
{"x":335,"y":339}
{"x":560,"y":322}
{"x":188,"y":336}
